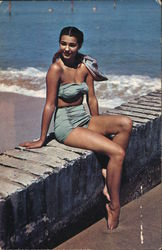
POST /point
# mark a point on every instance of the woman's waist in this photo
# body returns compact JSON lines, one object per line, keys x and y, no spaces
{"x":71,"y":112}
{"x":63,"y":104}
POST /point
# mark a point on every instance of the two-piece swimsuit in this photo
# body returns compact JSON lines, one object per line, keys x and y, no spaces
{"x":68,"y":118}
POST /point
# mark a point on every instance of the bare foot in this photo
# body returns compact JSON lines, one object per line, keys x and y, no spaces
{"x":113,"y":216}
{"x":105,"y":192}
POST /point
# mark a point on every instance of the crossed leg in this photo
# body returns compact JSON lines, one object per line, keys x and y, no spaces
{"x":94,"y":138}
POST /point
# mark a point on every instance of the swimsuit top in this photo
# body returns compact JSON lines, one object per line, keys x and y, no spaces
{"x":71,"y":91}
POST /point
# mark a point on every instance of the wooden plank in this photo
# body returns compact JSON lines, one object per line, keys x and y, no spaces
{"x":145,"y":102}
{"x":16,"y":175}
{"x":140,"y":110}
{"x":25,"y":166}
{"x":134,"y":119}
{"x":55,"y":161}
{"x":133,"y":114}
{"x":146,"y":107}
{"x":7,"y":187}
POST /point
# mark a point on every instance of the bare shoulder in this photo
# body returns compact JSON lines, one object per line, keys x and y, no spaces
{"x":83,"y":69}
{"x":89,"y":77}
{"x":55,"y":68}
{"x":54,"y":74}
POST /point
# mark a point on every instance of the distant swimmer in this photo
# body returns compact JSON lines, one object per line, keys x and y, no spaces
{"x":50,"y":9}
{"x":94,"y":9}
{"x":114,"y":4}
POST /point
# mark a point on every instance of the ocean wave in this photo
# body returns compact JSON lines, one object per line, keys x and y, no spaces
{"x":121,"y":88}
{"x":29,"y":78}
{"x":118,"y":89}
{"x":19,"y":90}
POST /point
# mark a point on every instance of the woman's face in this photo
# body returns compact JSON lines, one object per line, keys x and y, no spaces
{"x":69,"y":47}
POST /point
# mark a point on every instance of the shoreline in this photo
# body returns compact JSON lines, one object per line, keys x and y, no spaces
{"x":20,"y":119}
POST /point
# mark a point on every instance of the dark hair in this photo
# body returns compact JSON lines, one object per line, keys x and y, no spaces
{"x":70,"y":31}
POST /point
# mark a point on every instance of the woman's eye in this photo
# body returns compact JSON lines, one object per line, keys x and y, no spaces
{"x":62,"y":43}
{"x":72,"y":45}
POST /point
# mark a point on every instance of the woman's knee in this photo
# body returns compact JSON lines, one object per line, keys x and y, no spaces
{"x":126,"y":124}
{"x":118,"y":154}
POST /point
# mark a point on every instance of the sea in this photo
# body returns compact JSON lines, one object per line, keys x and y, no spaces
{"x":122,"y":35}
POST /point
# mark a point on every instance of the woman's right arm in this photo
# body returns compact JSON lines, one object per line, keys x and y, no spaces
{"x":52,"y":81}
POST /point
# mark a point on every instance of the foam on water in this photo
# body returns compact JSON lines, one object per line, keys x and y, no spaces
{"x":29,"y":73}
{"x":28,"y":81}
{"x":122,"y":88}
{"x":118,"y":89}
{"x":28,"y":92}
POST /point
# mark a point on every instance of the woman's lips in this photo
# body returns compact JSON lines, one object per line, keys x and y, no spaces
{"x":67,"y":54}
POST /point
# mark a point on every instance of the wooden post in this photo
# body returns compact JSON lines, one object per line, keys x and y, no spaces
{"x":72,"y":5}
{"x":9,"y":7}
{"x":114,"y":4}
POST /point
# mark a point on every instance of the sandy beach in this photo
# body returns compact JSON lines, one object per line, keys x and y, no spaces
{"x":20,"y":119}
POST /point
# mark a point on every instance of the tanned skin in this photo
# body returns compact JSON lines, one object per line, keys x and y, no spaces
{"x":67,"y":69}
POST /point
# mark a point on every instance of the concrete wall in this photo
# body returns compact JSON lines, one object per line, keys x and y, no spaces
{"x":44,"y":191}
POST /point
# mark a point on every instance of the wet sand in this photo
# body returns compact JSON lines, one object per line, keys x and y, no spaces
{"x":20,"y":119}
{"x":139,"y":228}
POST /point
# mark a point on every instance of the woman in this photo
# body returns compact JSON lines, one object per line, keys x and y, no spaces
{"x":69,"y":77}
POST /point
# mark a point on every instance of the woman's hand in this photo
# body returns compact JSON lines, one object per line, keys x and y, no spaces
{"x":32,"y":144}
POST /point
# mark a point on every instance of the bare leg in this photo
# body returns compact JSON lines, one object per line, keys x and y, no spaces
{"x":85,"y":138}
{"x":122,"y":139}
{"x":121,"y":126}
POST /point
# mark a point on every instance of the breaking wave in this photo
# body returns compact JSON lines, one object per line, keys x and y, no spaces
{"x":118,"y":89}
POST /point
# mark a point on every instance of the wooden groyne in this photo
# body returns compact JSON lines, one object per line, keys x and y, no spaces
{"x":43,"y":191}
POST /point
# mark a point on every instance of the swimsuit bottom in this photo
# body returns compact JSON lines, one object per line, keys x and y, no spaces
{"x":68,"y":118}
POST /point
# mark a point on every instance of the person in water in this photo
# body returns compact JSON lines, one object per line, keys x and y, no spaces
{"x":69,"y":78}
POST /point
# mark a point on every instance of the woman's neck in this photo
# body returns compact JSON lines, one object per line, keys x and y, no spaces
{"x":73,"y":63}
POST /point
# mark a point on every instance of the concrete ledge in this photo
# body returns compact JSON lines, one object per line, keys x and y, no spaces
{"x":43,"y":191}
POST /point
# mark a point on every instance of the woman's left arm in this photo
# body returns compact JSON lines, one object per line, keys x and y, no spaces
{"x":91,"y":97}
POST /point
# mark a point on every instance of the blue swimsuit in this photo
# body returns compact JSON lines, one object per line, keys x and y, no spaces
{"x":67,"y":118}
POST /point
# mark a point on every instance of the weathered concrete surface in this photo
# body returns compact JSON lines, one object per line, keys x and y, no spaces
{"x":42,"y":191}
